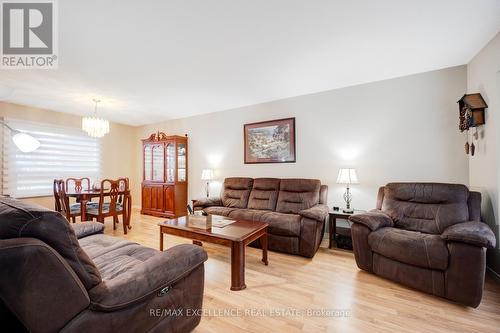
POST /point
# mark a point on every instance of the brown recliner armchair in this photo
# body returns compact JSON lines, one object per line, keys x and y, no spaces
{"x":57,"y":277}
{"x":428,"y":236}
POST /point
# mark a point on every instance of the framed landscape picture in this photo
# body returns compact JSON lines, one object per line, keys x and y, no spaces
{"x":270,"y":141}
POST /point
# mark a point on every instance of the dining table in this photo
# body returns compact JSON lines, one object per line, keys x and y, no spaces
{"x":83,"y":196}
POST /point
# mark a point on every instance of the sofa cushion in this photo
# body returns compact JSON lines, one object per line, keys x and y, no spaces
{"x":114,"y":256}
{"x":282,"y":224}
{"x":264,"y":194}
{"x":216,"y":210}
{"x":374,"y":219}
{"x":19,"y":219}
{"x":286,"y":244}
{"x":472,"y":232}
{"x":248,"y":214}
{"x":410,"y":247}
{"x":236,"y":192}
{"x":426,"y":207}
{"x":87,"y":228}
{"x":323,"y":194}
{"x":297,"y":194}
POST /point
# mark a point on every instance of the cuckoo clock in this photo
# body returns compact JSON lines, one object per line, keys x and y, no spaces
{"x":471,"y":114}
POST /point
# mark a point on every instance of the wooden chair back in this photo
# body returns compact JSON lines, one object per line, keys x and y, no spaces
{"x":124,"y":189}
{"x":57,"y":198}
{"x":78,"y":183}
{"x":117,"y":191}
{"x":63,"y":198}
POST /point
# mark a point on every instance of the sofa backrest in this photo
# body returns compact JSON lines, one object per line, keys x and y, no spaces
{"x":19,"y":219}
{"x":425,"y":207}
{"x":264,"y":194}
{"x":236,"y":191}
{"x":297,"y":194}
{"x":323,"y":194}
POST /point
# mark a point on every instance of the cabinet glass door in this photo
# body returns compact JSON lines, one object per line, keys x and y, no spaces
{"x":170,"y":162}
{"x":181,"y":162}
{"x":148,"y":160}
{"x":158,"y":163}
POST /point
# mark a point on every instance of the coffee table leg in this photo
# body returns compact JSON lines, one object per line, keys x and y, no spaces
{"x":238,"y":266}
{"x":263,"y":243}
{"x":161,"y":241}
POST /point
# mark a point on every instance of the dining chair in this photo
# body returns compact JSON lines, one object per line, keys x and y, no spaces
{"x":57,"y":198}
{"x":119,"y":203}
{"x":62,"y":201}
{"x":126,"y":199}
{"x":78,"y":185}
{"x":78,"y":182}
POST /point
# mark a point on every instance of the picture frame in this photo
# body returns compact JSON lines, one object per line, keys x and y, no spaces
{"x":271,"y":141}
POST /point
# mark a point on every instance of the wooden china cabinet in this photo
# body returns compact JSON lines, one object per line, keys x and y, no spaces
{"x":165,"y":171}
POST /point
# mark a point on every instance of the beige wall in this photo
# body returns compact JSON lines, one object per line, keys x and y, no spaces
{"x":118,"y":147}
{"x":483,"y":76}
{"x":404,"y":129}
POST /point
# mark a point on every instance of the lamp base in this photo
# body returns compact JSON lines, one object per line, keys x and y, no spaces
{"x":348,"y":210}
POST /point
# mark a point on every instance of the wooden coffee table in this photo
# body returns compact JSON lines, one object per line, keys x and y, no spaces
{"x":235,"y":236}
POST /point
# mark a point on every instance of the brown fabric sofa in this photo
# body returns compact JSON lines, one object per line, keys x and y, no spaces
{"x":55,"y":277}
{"x":427,"y":236}
{"x":295,"y":210}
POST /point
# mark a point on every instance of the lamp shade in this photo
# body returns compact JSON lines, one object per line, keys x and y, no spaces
{"x":207,"y":174}
{"x":25,"y":142}
{"x":347,"y":176}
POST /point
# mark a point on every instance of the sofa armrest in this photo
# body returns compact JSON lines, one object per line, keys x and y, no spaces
{"x":472,"y":232}
{"x":318,"y":212}
{"x":32,"y":277}
{"x":207,"y":202}
{"x":374,"y":219}
{"x":148,"y":278}
{"x":84,"y":229}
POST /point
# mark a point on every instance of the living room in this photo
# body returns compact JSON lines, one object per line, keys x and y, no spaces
{"x":302,"y":167}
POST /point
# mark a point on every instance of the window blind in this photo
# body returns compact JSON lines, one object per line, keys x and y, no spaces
{"x":64,"y":152}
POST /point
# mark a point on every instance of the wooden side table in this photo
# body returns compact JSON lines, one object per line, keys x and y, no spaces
{"x":332,"y":223}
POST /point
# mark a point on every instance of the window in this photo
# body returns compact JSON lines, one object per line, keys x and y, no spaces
{"x":64,"y":152}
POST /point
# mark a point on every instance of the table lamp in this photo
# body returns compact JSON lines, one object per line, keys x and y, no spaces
{"x":208,"y":175}
{"x":347,"y":176}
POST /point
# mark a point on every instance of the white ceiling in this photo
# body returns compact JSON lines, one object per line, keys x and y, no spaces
{"x":156,"y":60}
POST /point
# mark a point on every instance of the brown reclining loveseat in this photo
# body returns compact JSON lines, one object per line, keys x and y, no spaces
{"x":295,"y":210}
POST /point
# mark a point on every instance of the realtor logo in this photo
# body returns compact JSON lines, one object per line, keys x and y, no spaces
{"x":29,"y":34}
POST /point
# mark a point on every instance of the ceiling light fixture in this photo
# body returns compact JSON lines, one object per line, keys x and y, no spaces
{"x":94,"y":126}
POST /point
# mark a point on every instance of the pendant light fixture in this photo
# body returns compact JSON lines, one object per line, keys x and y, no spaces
{"x":94,"y":126}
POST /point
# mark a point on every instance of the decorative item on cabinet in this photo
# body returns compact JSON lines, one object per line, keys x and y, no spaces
{"x":165,"y":183}
{"x":471,"y":114}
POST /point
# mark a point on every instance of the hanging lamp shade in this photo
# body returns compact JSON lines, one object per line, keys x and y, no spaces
{"x":94,"y":126}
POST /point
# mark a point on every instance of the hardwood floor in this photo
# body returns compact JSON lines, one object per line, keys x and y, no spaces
{"x":331,"y":280}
